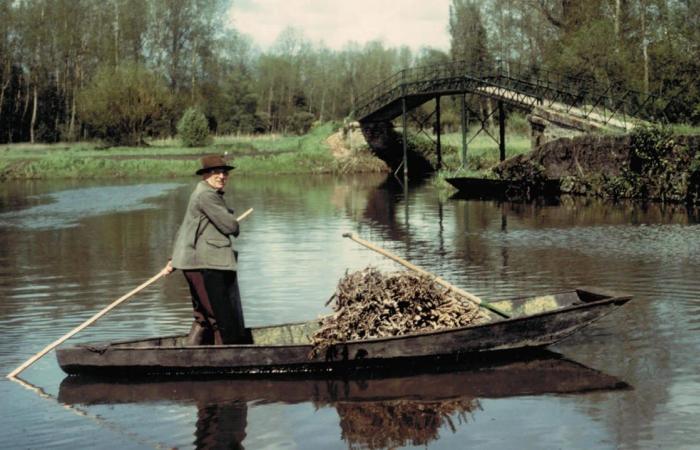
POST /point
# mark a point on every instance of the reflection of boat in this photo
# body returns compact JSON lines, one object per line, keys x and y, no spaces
{"x":534,"y":322}
{"x":384,"y":409}
{"x":533,"y":373}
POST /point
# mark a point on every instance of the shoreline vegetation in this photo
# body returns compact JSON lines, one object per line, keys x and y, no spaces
{"x":659,"y":168}
{"x":325,"y":149}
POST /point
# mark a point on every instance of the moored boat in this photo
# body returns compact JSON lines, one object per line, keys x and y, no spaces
{"x":495,"y":188}
{"x":533,"y":322}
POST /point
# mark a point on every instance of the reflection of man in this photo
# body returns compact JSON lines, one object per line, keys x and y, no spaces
{"x":221,"y":426}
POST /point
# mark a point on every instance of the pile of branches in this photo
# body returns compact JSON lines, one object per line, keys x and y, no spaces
{"x":370,"y":304}
{"x":399,"y":423}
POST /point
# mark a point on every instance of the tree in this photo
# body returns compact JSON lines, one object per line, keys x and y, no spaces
{"x":124,"y":104}
{"x":469,"y":43}
{"x":468,"y":37}
{"x":236,"y":113}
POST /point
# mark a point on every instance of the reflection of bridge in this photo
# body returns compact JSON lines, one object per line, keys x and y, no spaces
{"x":554,"y":102}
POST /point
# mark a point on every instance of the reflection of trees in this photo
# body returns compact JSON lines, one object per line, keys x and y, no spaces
{"x":397,"y":423}
{"x":316,"y":195}
{"x":551,"y":261}
{"x":626,"y":343}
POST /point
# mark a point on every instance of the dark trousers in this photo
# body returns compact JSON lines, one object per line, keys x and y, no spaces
{"x":216,"y":304}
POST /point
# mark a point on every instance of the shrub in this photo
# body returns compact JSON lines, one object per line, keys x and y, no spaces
{"x":300,"y":122}
{"x":193,"y":128}
{"x":651,"y":147}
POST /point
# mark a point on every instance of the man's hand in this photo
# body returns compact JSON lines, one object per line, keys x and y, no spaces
{"x":168,"y":269}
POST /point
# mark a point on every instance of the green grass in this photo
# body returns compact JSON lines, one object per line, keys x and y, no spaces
{"x":269,"y":154}
{"x":483,"y":146}
{"x":482,"y":150}
{"x":482,"y":155}
{"x":266,"y":154}
{"x":687,"y":129}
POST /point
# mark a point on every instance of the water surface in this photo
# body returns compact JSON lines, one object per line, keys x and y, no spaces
{"x":631,"y":380}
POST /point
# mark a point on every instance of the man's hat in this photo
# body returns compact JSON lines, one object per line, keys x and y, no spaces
{"x":211,"y":162}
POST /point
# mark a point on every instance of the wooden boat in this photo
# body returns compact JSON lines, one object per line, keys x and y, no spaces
{"x":533,"y":322}
{"x":490,"y":188}
{"x":530,"y":373}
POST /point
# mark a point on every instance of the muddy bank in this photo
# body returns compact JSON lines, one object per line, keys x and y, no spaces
{"x":649,"y":164}
{"x":387,"y":144}
{"x":351,"y":151}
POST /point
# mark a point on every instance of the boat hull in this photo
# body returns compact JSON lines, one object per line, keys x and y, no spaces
{"x":479,"y":188}
{"x":533,"y":373}
{"x":535,"y":323}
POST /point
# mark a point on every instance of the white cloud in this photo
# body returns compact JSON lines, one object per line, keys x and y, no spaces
{"x":414,"y":23}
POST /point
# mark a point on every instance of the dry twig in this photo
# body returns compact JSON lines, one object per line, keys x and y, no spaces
{"x":370,"y":304}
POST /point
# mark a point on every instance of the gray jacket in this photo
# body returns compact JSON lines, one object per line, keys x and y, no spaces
{"x":205,"y":238}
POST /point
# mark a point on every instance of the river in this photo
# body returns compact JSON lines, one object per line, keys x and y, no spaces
{"x":630,"y":380}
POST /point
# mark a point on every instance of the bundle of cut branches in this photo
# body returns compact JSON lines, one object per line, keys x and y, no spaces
{"x":370,"y":304}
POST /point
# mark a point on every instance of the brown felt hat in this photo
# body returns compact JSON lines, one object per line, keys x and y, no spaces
{"x":211,"y":162}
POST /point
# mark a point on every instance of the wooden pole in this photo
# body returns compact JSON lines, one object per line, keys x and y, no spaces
{"x":438,"y":125}
{"x":501,"y":131}
{"x":465,"y":130}
{"x":405,"y":142}
{"x":245,"y":214}
{"x":84,"y":325}
{"x":471,"y":297}
{"x":12,"y":375}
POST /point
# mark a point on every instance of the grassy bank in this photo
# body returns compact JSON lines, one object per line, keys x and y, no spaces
{"x":260,"y":154}
{"x":267,"y":154}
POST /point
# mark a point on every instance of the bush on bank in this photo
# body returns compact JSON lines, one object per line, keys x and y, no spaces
{"x":652,"y":163}
{"x":193,"y":128}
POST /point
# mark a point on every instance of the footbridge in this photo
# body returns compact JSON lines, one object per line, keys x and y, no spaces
{"x":556,"y":105}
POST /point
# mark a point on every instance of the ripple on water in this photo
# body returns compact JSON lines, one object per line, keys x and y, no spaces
{"x":667,"y":241}
{"x":66,"y":208}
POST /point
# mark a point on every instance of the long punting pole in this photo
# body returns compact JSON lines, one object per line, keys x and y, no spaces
{"x":471,"y":297}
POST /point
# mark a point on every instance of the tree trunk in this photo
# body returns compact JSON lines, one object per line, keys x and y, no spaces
{"x":116,"y":33}
{"x":618,"y":8}
{"x":192,"y":68}
{"x":71,"y":126}
{"x":2,"y":94}
{"x":34,"y":108}
{"x":323,"y":105}
{"x":269,"y":107}
{"x":645,"y":53}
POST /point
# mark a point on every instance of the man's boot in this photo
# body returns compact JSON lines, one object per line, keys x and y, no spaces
{"x":197,"y":335}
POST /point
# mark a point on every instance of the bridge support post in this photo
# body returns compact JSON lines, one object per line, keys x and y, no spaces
{"x":501,"y":130}
{"x":465,"y":129}
{"x":438,"y":144}
{"x":405,"y":140}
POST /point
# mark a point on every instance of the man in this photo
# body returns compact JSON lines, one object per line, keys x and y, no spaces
{"x":204,"y":251}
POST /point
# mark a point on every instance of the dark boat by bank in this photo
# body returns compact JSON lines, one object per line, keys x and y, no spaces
{"x":488,"y":188}
{"x":533,"y":322}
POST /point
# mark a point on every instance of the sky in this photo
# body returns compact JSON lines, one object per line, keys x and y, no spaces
{"x":414,"y":23}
